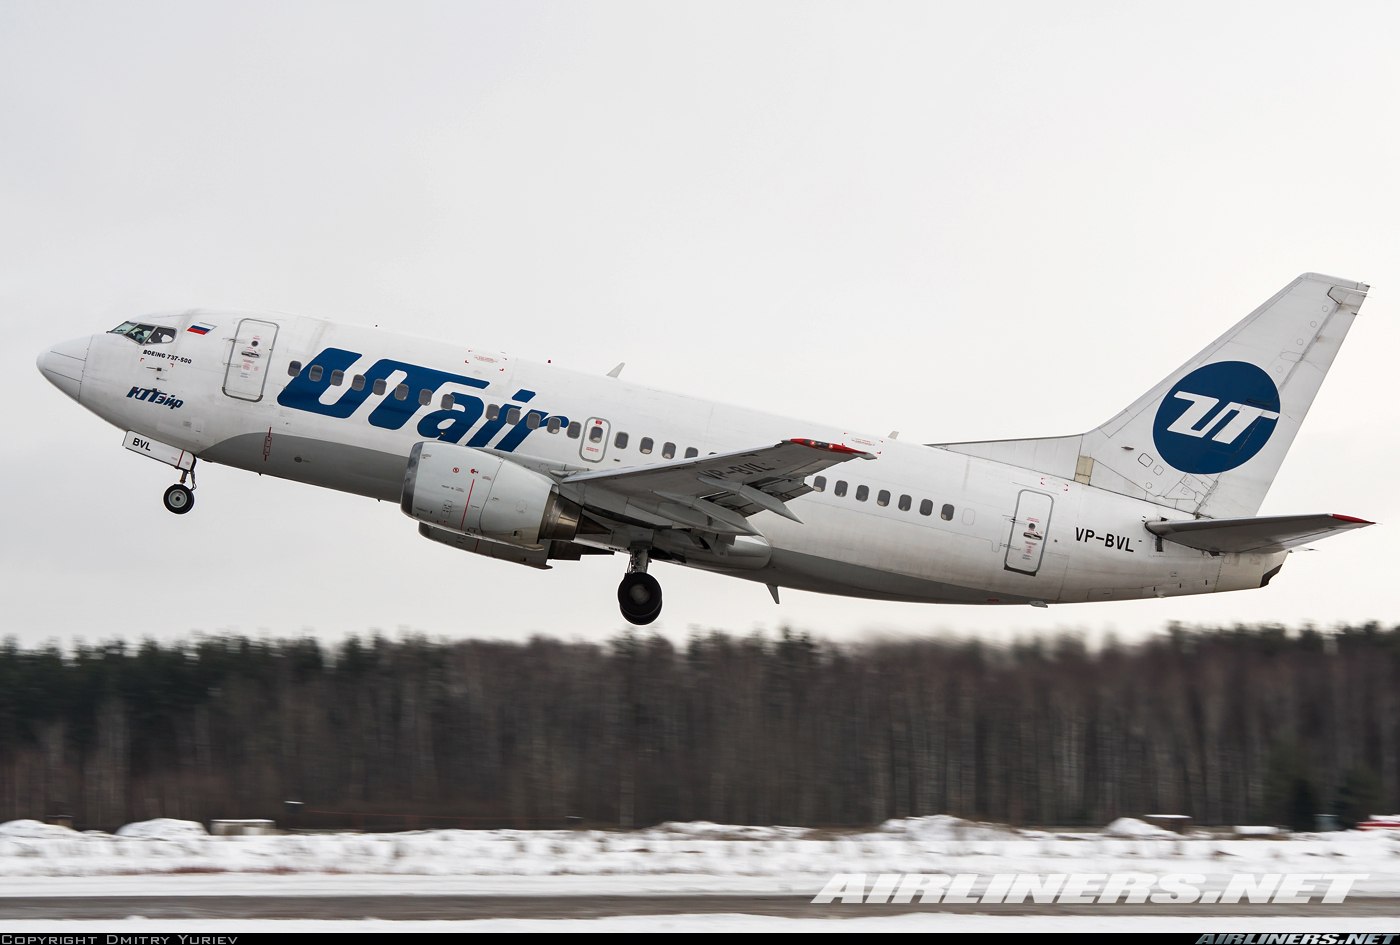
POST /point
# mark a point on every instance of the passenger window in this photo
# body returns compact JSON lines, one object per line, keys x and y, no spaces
{"x":357,"y":382}
{"x":840,"y":489}
{"x":883,"y":499}
{"x":554,"y":424}
{"x":315,"y":372}
{"x":513,"y":415}
{"x":862,"y":493}
{"x":926,"y":507}
{"x":904,"y":503}
{"x":575,"y":430}
{"x":493,"y":412}
{"x":294,"y":369}
{"x":668,"y":451}
{"x":448,"y":401}
{"x":595,"y":434}
{"x":691,"y":452}
{"x":620,"y":441}
{"x":337,"y":378}
{"x":947,"y":513}
{"x":645,"y":446}
{"x":819,"y":484}
{"x":532,"y":421}
{"x":401,"y":392}
{"x":425,"y":397}
{"x":380,"y":386}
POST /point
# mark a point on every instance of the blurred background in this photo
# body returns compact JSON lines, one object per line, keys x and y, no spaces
{"x":1244,"y":725}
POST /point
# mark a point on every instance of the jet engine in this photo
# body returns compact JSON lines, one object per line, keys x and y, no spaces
{"x":472,"y":492}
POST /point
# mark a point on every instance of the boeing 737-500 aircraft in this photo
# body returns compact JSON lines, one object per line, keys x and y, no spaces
{"x":532,"y":463}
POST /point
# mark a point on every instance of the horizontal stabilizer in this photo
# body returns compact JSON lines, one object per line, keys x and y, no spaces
{"x":1254,"y":535}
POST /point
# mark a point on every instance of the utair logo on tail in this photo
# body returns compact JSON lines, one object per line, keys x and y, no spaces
{"x":1217,"y":417}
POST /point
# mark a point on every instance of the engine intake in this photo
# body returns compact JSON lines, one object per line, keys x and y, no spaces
{"x":472,"y":492}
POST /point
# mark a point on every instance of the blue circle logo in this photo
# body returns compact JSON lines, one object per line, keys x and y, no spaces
{"x":1217,"y":417}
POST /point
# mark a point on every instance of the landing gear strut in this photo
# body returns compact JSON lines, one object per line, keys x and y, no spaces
{"x":179,"y":498}
{"x":639,"y":594}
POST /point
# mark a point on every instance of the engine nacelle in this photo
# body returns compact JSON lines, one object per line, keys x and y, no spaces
{"x":472,"y":492}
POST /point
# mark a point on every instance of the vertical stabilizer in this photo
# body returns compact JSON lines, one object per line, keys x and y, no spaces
{"x":1210,"y":437}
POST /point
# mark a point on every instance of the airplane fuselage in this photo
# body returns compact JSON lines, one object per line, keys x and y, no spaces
{"x":342,"y":407}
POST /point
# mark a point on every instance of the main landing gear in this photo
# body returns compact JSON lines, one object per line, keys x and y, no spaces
{"x":179,"y":498}
{"x":639,"y":594}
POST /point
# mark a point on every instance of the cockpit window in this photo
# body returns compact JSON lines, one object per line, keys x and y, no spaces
{"x":144,"y":334}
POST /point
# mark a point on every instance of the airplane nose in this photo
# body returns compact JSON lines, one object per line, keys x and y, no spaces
{"x":63,"y":365}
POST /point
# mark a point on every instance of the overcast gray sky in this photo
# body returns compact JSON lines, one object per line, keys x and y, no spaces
{"x":852,"y":212}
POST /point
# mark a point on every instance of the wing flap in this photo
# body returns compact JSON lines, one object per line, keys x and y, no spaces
{"x":711,"y":493}
{"x":1254,"y":535}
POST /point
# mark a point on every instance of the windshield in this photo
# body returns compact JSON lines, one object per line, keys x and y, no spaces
{"x":144,"y":334}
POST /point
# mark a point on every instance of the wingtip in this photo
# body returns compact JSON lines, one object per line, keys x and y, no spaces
{"x":830,"y":447}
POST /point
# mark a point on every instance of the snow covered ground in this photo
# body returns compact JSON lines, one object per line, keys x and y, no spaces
{"x":695,"y":857}
{"x":168,"y":858}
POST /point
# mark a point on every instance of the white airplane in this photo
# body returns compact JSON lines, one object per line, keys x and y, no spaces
{"x":532,"y":463}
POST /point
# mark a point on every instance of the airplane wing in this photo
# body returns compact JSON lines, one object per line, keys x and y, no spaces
{"x":1257,"y":535}
{"x":712,"y":493}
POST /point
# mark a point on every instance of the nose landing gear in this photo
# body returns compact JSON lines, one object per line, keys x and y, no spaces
{"x":179,"y":498}
{"x":639,"y":594}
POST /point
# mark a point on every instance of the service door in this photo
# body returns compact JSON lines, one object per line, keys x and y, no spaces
{"x":1026,"y":546}
{"x":595,"y":439}
{"x":249,"y":358}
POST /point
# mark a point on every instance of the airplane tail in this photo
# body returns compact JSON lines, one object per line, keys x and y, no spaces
{"x":1210,"y":437}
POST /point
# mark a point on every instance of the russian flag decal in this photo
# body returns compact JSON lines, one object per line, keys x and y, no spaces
{"x":200,"y":328}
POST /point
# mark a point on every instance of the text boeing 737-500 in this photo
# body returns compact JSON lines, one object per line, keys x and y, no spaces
{"x":532,"y":463}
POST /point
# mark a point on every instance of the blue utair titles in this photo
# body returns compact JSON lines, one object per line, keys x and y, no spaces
{"x":392,"y":412}
{"x":152,"y":396}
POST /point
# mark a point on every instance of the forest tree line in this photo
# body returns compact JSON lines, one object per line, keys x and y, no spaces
{"x":1239,"y":725}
